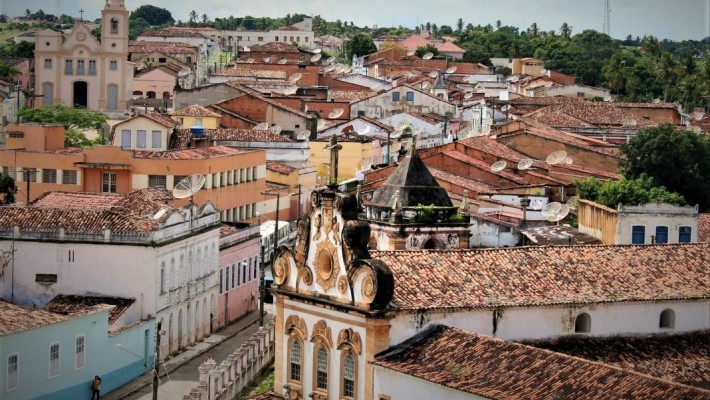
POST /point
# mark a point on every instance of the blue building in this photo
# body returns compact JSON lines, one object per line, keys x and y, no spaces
{"x":50,"y":355}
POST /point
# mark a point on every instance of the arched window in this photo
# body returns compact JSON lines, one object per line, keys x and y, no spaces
{"x":667,"y":320}
{"x":583,"y":323}
{"x":162,"y":277}
{"x":349,"y":374}
{"x":294,"y":365}
{"x":114,"y":26}
{"x":321,"y":364}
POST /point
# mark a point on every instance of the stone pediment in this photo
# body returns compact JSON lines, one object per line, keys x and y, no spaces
{"x":330,"y":259}
{"x":80,"y":35}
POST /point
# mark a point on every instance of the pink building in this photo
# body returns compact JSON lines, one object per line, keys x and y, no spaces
{"x":238,"y":272}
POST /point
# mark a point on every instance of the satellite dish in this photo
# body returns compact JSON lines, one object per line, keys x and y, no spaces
{"x":305,"y":108}
{"x":498,"y":166}
{"x":188,"y":186}
{"x":336,"y":113}
{"x":283,"y":61}
{"x":426,"y":85}
{"x":451,"y":70}
{"x":316,"y":57}
{"x":433,"y":74}
{"x":250,"y":60}
{"x":428,"y":56}
{"x":402,"y":125}
{"x":291,"y":90}
{"x":184,"y":72}
{"x":468,"y":95}
{"x":363,"y":131}
{"x":551,"y":209}
{"x":568,"y":160}
{"x":316,"y":51}
{"x":463,"y":133}
{"x":330,"y":60}
{"x":295,"y":77}
{"x":321,"y":124}
{"x":303,"y":135}
{"x":656,"y":101}
{"x":346,"y":69}
{"x":417,"y":130}
{"x":396,"y":135}
{"x":276,"y":129}
{"x":607,"y":99}
{"x":329,"y":68}
{"x":159,"y":214}
{"x":524,"y":164}
{"x":556,"y":157}
{"x":261,"y":127}
{"x":572,"y":202}
{"x":411,"y":53}
{"x":560,"y":214}
{"x":267,"y":59}
{"x":485,"y":130}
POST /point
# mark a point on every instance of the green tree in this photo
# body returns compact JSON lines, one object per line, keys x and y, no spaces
{"x":430,"y":48}
{"x":205,"y":20}
{"x":155,"y":16}
{"x":8,"y":72}
{"x":566,"y":31}
{"x":360,"y":45}
{"x":193,"y":17}
{"x":459,"y":25}
{"x":641,"y":190}
{"x":75,"y":121}
{"x":676,"y":159}
{"x":7,"y":189}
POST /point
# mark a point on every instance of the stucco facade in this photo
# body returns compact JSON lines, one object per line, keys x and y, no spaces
{"x":238,"y":273}
{"x":401,"y":99}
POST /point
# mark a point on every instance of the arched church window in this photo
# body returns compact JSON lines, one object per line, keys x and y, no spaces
{"x":114,"y":25}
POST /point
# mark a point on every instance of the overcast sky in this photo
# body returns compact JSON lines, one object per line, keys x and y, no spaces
{"x":673,"y":19}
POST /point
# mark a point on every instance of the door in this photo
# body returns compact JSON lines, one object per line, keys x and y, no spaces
{"x":80,"y":94}
{"x":112,"y":94}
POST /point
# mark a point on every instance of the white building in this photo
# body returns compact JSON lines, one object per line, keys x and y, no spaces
{"x":300,"y":33}
{"x":132,"y":246}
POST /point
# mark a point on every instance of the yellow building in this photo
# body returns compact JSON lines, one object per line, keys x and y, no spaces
{"x":359,"y":153}
{"x":196,"y":115}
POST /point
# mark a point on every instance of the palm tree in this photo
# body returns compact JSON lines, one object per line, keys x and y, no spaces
{"x":459,"y":25}
{"x":666,"y":72}
{"x":205,"y":20}
{"x":193,"y":17}
{"x":498,"y":24}
{"x":566,"y":31}
{"x":533,"y":30}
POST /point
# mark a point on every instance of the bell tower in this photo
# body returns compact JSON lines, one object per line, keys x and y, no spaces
{"x":114,"y":27}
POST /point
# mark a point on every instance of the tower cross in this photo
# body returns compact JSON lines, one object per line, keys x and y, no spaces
{"x":334,"y":149}
{"x":81,"y":11}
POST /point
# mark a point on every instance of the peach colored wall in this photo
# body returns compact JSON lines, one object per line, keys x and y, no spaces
{"x":37,"y":137}
{"x":157,"y":81}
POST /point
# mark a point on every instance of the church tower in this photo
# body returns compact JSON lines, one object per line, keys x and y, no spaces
{"x":410,"y":211}
{"x":114,"y":27}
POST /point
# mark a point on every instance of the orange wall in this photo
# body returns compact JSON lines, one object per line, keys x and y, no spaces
{"x":37,"y":137}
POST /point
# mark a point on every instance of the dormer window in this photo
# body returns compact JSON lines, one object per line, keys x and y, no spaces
{"x":114,"y":26}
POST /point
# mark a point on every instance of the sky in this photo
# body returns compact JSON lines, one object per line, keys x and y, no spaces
{"x":671,"y":19}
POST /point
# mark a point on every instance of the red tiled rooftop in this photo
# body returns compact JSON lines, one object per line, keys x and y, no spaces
{"x":275,"y":47}
{"x":533,"y":276}
{"x":161,"y":47}
{"x":496,"y":369}
{"x":279,"y":168}
{"x":201,"y":153}
{"x":15,"y":319}
{"x":195,"y":110}
{"x":79,"y":201}
{"x":70,"y":304}
{"x":182,"y":136}
{"x":704,"y":227}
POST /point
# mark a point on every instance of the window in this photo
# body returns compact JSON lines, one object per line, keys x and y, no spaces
{"x":114,"y":26}
{"x":276,"y":39}
{"x":244,"y":273}
{"x":239,"y":276}
{"x":79,"y":352}
{"x":69,"y":177}
{"x":233,"y":267}
{"x":410,"y":96}
{"x":162,"y":60}
{"x":92,"y":67}
{"x":68,"y":67}
{"x":140,"y":139}
{"x":46,"y":278}
{"x":125,"y":138}
{"x":198,"y":121}
{"x":661,"y":234}
{"x":113,"y":65}
{"x":157,"y":181}
{"x":583,"y":323}
{"x":395,"y":96}
{"x":47,"y":63}
{"x":638,"y":234}
{"x":348,"y":375}
{"x":156,"y":140}
{"x":684,"y":233}
{"x":12,"y":377}
{"x":49,"y":176}
{"x":54,"y":360}
{"x":47,"y":94}
{"x":322,"y":368}
{"x":295,"y":361}
{"x":80,"y":67}
{"x":162,"y":277}
{"x":108,"y":182}
{"x":30,"y":174}
{"x":221,"y":283}
{"x":580,"y":94}
{"x":188,"y":60}
{"x":667,"y":320}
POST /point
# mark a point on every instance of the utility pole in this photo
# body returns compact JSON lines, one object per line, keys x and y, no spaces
{"x":156,"y":367}
{"x":27,"y":180}
{"x":17,"y":112}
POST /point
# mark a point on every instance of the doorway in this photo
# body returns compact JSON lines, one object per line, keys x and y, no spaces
{"x":80,"y":94}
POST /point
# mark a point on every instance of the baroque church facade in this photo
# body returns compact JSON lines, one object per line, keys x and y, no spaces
{"x":352,"y":323}
{"x":83,"y":72}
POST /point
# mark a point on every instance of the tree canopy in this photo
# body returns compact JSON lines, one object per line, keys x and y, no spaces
{"x":155,"y":16}
{"x":74,"y":121}
{"x":626,"y":191}
{"x":675,"y":158}
{"x":360,"y":45}
{"x":7,"y":189}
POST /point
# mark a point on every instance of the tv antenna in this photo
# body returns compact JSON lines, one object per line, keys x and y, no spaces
{"x":188,"y":186}
{"x":428,"y":56}
{"x":261,"y":127}
{"x":556,"y":157}
{"x":498,"y":166}
{"x":295,"y":77}
{"x":336,"y":113}
{"x":525,"y":164}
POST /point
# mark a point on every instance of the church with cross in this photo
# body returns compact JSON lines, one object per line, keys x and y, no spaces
{"x":406,"y":322}
{"x":82,"y":71}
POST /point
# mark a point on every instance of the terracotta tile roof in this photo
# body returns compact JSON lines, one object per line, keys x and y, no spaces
{"x":258,"y":95}
{"x":487,"y":167}
{"x":226,"y":230}
{"x":279,"y":168}
{"x":349,"y":95}
{"x":182,"y":136}
{"x":78,"y":201}
{"x":252,"y":73}
{"x":448,"y":46}
{"x":377,"y":123}
{"x":464,"y":182}
{"x":704,"y":227}
{"x":132,"y":214}
{"x":275,"y":47}
{"x":15,"y":319}
{"x":67,"y":304}
{"x":548,"y":132}
{"x":495,"y":219}
{"x":161,"y":47}
{"x":173,"y":33}
{"x":492,"y":146}
{"x":683,"y":357}
{"x":623,"y":104}
{"x":201,"y":153}
{"x":195,"y":110}
{"x":496,"y":369}
{"x":597,"y":113}
{"x":528,"y":276}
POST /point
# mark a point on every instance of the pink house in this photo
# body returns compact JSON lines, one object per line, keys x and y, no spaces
{"x":24,"y":65}
{"x":238,"y":272}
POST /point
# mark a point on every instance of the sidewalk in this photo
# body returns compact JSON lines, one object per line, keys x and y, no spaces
{"x":189,"y":354}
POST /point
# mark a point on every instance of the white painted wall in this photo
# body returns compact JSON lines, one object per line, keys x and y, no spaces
{"x":488,"y":234}
{"x":401,"y":386}
{"x":652,"y":215}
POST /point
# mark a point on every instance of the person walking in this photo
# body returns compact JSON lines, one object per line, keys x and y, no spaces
{"x":96,"y":388}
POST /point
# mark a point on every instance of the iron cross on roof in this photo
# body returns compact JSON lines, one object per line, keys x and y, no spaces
{"x":334,"y":149}
{"x":81,"y":11}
